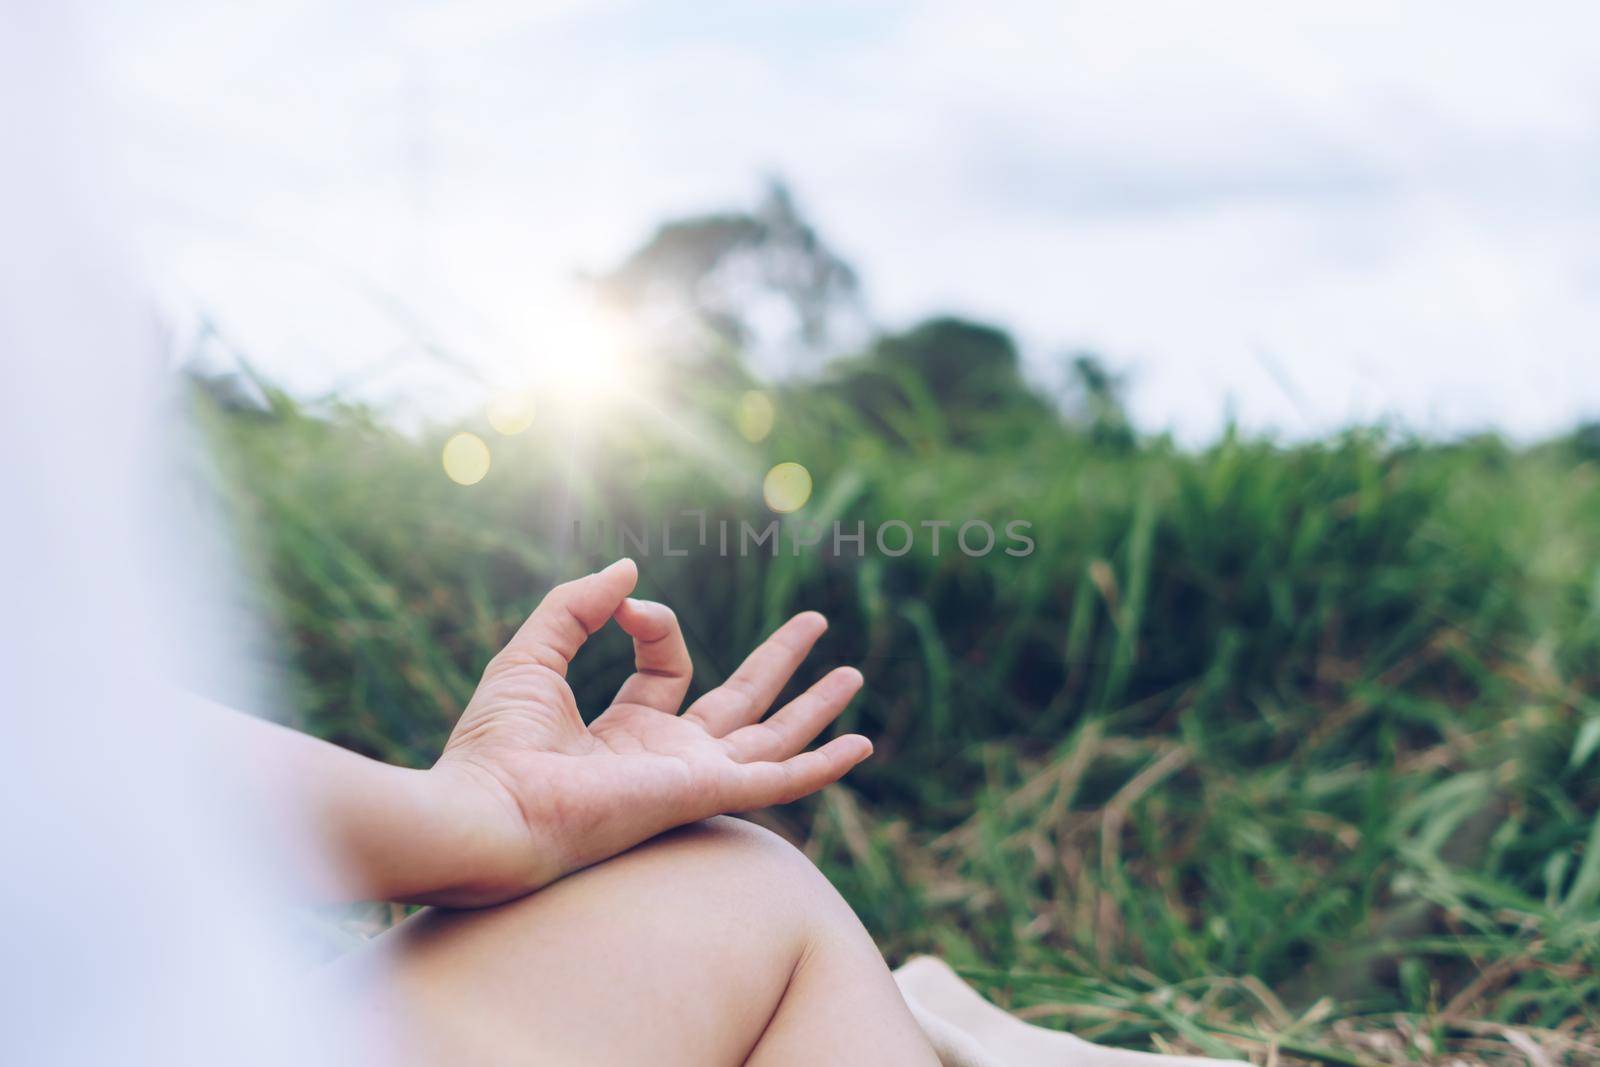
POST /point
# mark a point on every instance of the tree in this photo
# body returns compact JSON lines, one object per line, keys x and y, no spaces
{"x":1095,"y":401}
{"x":969,"y":373}
{"x":763,"y":283}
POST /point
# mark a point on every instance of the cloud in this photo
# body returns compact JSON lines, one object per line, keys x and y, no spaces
{"x":1378,"y":209}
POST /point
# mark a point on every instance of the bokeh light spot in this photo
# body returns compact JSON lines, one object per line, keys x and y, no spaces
{"x":787,"y":487}
{"x":755,"y":416}
{"x":466,"y":459}
{"x":510,"y":412}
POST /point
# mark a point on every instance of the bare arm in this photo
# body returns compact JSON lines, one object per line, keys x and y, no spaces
{"x":353,"y":828}
{"x":524,"y":791}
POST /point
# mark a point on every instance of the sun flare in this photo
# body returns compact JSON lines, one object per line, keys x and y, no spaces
{"x":466,"y":459}
{"x":578,"y":359}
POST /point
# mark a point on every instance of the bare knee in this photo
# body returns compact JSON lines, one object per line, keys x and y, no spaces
{"x":711,"y":934}
{"x":733,"y":867}
{"x":712,"y":884}
{"x":736,"y":837}
{"x":728,"y":842}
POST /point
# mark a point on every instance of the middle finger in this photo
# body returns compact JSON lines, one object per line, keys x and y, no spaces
{"x":751,"y":689}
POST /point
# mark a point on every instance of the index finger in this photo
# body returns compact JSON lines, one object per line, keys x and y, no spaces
{"x":569,"y":613}
{"x":662,"y":668}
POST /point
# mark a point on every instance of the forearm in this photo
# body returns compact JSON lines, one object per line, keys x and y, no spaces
{"x":352,"y":827}
{"x":526,"y":790}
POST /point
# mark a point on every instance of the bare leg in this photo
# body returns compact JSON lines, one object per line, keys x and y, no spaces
{"x":715,"y":944}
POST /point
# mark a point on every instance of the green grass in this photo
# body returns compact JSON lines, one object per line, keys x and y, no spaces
{"x":1290,"y":753}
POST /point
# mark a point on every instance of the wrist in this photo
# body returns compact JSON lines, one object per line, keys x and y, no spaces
{"x":491,"y":853}
{"x":428,"y":837}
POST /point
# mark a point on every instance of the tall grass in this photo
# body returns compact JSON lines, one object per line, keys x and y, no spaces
{"x":1273,"y":751}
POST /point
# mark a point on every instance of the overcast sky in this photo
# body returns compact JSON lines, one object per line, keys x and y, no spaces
{"x":1371,"y":210}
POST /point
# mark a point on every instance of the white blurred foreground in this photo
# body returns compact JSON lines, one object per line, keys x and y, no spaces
{"x":133,"y":902}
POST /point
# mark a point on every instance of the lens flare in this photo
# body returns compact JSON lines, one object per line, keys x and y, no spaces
{"x":755,"y":416}
{"x":592,"y":362}
{"x":787,"y":487}
{"x":572,"y":358}
{"x":466,"y":459}
{"x":510,"y":412}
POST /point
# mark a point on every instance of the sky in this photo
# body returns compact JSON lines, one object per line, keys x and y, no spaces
{"x":1297,"y":216}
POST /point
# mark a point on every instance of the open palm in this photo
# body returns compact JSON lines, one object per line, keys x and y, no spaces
{"x":577,"y":794}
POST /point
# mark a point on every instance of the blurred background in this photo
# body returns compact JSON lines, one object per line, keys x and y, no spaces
{"x":1275,"y":323}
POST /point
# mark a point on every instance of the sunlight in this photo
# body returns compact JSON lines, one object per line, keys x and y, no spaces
{"x":510,"y":411}
{"x":466,"y":459}
{"x":584,"y":360}
{"x":787,"y":487}
{"x":755,"y":416}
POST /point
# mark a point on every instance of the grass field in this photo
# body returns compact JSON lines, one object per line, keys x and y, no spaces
{"x":1281,"y":753}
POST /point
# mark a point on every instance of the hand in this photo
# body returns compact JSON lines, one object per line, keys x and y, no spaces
{"x":561,"y":795}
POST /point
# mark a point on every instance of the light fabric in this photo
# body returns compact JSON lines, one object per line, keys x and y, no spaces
{"x":968,"y":1031}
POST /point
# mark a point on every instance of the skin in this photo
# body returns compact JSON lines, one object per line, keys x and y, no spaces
{"x":612,"y":922}
{"x":715,"y":943}
{"x":573,"y":795}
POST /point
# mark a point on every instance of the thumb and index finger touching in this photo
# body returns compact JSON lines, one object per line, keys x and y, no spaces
{"x":573,"y":611}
